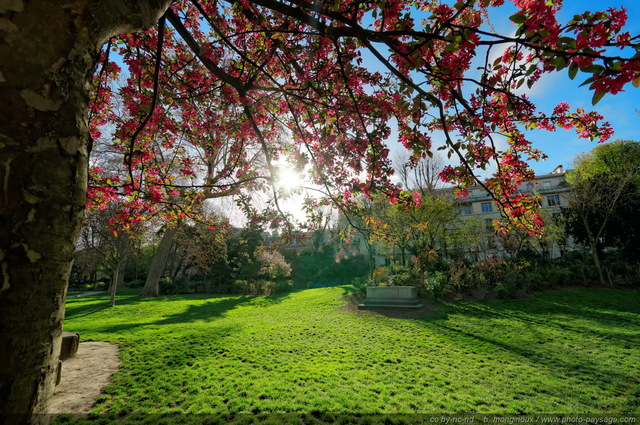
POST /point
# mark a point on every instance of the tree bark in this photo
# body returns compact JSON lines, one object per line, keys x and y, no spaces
{"x":118,"y":272}
{"x":48,"y":50}
{"x":152,"y":285}
{"x":121,"y":271}
{"x":593,"y":244}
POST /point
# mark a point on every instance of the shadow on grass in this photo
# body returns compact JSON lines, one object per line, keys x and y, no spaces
{"x":213,"y":307}
{"x":205,"y":312}
{"x":607,"y":314}
{"x":218,"y":306}
{"x":85,"y":306}
{"x":563,"y":331}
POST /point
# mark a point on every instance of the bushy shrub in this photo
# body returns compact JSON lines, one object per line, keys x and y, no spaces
{"x":466,"y":278}
{"x":555,"y":275}
{"x":347,"y":269}
{"x":380,"y":276}
{"x":168,"y":286}
{"x":255,"y":287}
{"x":282,"y":286}
{"x":138,"y":283}
{"x":402,"y":278}
{"x":521,"y":277}
{"x":511,"y":286}
{"x":273,"y":265}
{"x":511,"y":278}
{"x":99,"y":286}
{"x":361,"y":284}
{"x":436,"y":284}
{"x":395,"y":275}
{"x":88,"y":287}
{"x":313,"y":268}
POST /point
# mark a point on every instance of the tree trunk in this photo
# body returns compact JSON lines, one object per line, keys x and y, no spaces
{"x":596,"y":261}
{"x":48,"y":50}
{"x":152,"y":285}
{"x":372,"y":260}
{"x":593,"y":243}
{"x":121,"y":270}
{"x":118,"y":272}
{"x":178,"y":269}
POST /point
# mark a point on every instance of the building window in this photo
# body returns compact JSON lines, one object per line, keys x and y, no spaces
{"x":530,"y":186}
{"x":466,"y":209}
{"x":486,"y":207}
{"x":553,"y":200}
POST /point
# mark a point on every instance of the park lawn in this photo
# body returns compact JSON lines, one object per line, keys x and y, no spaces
{"x":566,"y":352}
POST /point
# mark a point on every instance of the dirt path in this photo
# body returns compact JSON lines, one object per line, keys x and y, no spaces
{"x":83,"y":377}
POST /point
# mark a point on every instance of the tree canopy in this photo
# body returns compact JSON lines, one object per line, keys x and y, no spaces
{"x":604,"y":200}
{"x":217,"y":96}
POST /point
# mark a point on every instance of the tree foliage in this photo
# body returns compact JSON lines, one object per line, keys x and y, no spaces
{"x":605,"y":198}
{"x":216,"y":94}
{"x":203,"y":248}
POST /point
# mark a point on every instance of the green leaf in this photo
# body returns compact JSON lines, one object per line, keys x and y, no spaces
{"x":518,"y":18}
{"x":593,"y":69}
{"x":573,"y":70}
{"x":597,"y":96}
{"x":560,"y":63}
{"x":588,"y":81}
{"x":567,"y":40}
{"x":451,"y":47}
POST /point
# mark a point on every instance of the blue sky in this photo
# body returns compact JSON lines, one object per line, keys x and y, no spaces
{"x":620,"y":110}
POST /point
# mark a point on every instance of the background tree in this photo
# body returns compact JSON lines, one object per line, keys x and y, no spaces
{"x":392,"y":227}
{"x":203,"y":251}
{"x":468,"y":238}
{"x":279,"y":65}
{"x":518,"y":241}
{"x":420,"y":174}
{"x":418,"y":229}
{"x":113,"y":248}
{"x":242,"y":249}
{"x":604,"y":200}
{"x":435,"y":212}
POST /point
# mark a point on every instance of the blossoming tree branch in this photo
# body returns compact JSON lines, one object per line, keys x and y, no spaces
{"x":276,"y":79}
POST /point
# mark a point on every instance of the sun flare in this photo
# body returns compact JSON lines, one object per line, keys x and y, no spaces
{"x":288,"y":179}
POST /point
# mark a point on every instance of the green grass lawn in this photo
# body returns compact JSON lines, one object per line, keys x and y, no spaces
{"x":570,"y":352}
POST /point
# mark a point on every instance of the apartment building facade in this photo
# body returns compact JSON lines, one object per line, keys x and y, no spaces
{"x":478,"y":211}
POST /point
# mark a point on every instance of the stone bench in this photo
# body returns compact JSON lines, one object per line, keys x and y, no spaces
{"x":391,"y":296}
{"x":68,"y":348}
